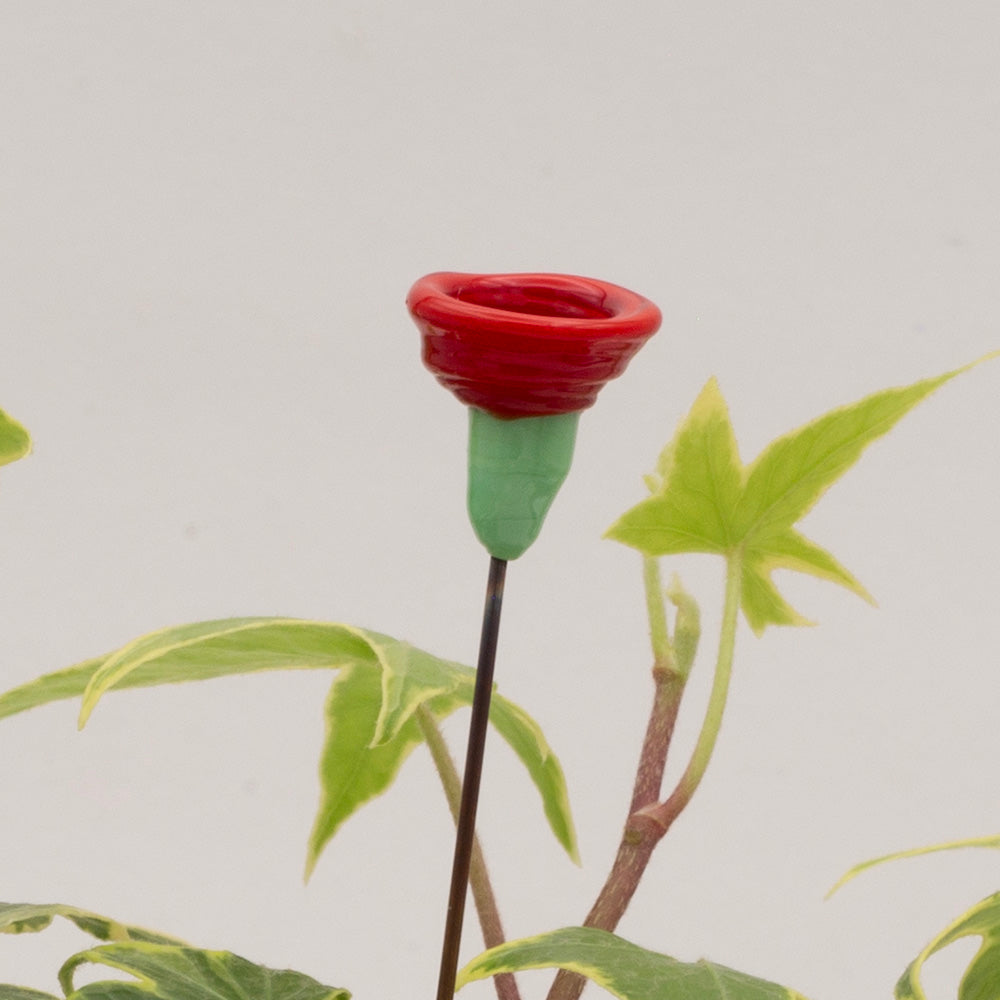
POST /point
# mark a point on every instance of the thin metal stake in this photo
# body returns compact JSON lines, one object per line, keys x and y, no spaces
{"x":470,"y":785}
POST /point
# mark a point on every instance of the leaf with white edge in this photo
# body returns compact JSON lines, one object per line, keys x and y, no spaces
{"x":29,"y":918}
{"x":8,"y":992}
{"x":196,"y":652}
{"x":525,"y":738}
{"x":411,"y":677}
{"x":226,"y":646}
{"x":170,"y":972}
{"x":405,"y":677}
{"x":354,"y":769}
{"x":992,"y":841}
{"x":623,"y":969}
{"x":361,"y":756}
{"x":705,"y":500}
{"x":15,"y":442}
{"x":981,"y":980}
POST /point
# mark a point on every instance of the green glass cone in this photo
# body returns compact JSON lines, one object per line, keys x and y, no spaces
{"x":515,"y":470}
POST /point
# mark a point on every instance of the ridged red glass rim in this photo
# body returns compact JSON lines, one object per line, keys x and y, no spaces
{"x":562,"y":304}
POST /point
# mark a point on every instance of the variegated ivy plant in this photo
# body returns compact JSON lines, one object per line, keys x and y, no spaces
{"x":388,"y":697}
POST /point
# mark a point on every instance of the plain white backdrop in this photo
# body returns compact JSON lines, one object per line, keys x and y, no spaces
{"x":210,"y":214}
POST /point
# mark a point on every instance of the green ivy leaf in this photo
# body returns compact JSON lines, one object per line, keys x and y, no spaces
{"x":172,"y":972}
{"x":29,"y":918}
{"x":981,"y":980}
{"x":15,"y":442}
{"x":623,"y":969}
{"x":369,"y":712}
{"x":992,"y":841}
{"x":706,"y":500}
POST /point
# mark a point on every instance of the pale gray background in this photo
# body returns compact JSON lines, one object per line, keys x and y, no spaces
{"x":210,"y":215}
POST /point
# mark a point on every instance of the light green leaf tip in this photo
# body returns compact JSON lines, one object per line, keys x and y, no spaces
{"x":15,"y":441}
{"x":623,"y":969}
{"x":992,"y":841}
{"x":524,"y":736}
{"x":705,"y":500}
{"x":981,"y":980}
{"x":687,"y":626}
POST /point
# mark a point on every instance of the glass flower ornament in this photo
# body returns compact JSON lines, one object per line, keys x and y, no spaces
{"x":527,"y":353}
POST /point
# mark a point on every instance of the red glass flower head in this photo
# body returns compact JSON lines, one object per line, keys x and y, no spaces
{"x":528,"y":345}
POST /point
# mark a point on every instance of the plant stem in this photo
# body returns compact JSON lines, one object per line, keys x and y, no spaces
{"x":668,"y":811}
{"x":465,"y":833}
{"x":479,"y":878}
{"x":656,"y":611}
{"x":649,"y":820}
{"x":641,"y":833}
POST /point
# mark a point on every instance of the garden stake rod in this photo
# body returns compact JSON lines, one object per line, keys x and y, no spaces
{"x":470,"y":785}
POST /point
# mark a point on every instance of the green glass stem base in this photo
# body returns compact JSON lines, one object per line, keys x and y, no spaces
{"x":515,"y":470}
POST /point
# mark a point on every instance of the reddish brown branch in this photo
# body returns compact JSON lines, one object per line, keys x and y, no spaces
{"x":642,"y":831}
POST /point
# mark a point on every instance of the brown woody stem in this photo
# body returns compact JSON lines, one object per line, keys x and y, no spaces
{"x":649,"y":819}
{"x":642,"y":833}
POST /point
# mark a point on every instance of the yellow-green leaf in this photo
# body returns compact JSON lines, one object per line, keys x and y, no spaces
{"x":991,"y":841}
{"x":8,"y":992}
{"x":15,"y":442}
{"x":700,"y":478}
{"x":366,"y":745}
{"x":29,"y":918}
{"x":705,"y":500}
{"x":982,"y":977}
{"x":623,"y":969}
{"x":57,"y":686}
{"x":355,"y":767}
{"x":369,"y":716}
{"x":409,"y":678}
{"x":170,"y":972}
{"x":525,"y":738}
{"x":760,"y":600}
{"x":225,"y":646}
{"x":795,"y":470}
{"x":981,"y":980}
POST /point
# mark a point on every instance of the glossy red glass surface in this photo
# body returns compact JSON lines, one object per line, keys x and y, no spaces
{"x":527,"y":345}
